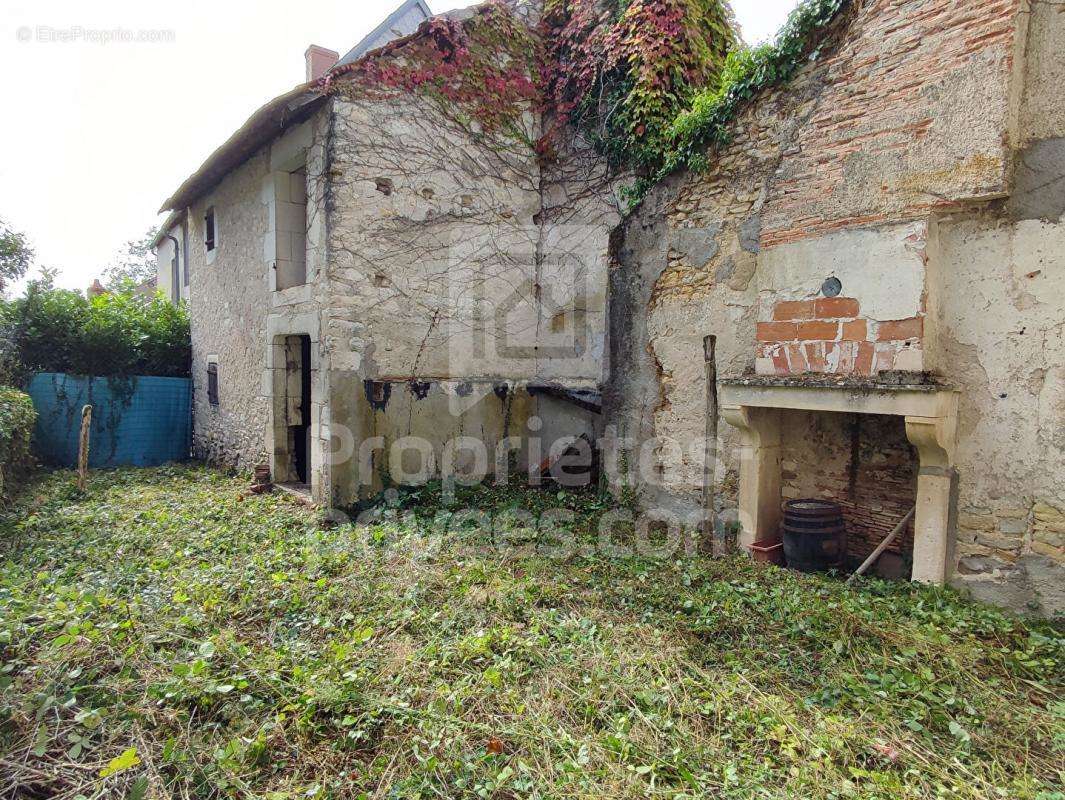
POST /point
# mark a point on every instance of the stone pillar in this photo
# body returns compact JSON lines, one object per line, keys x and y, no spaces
{"x":759,"y":456}
{"x":933,"y":539}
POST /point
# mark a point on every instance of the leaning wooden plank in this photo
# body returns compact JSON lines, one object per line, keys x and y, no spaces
{"x":884,"y":545}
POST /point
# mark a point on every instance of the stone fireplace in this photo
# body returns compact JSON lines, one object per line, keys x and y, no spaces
{"x":848,"y":324}
{"x":756,"y":405}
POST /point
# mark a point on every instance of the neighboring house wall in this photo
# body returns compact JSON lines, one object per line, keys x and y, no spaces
{"x":402,"y":22}
{"x":885,"y":163}
{"x":173,"y":286}
{"x":426,"y":237}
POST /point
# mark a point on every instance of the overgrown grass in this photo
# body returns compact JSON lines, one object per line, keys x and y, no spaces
{"x":167,"y":636}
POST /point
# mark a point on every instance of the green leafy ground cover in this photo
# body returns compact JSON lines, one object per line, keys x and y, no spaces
{"x":166,"y":636}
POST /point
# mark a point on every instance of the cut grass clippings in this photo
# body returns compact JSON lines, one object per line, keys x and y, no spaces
{"x":166,"y":635}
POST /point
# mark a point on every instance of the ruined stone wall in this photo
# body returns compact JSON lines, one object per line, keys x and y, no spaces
{"x":916,"y":160}
{"x":1002,"y":314}
{"x":459,"y":265}
{"x":906,"y":109}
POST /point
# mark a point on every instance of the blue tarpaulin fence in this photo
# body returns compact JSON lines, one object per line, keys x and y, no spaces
{"x":136,"y":422}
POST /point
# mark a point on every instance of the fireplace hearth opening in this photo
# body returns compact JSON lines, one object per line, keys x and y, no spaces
{"x":877,"y":447}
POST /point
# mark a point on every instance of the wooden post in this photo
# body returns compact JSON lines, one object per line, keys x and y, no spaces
{"x":83,"y":448}
{"x":710,"y":544}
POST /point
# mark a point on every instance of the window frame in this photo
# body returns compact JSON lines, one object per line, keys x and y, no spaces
{"x":212,"y":383}
{"x":210,"y":229}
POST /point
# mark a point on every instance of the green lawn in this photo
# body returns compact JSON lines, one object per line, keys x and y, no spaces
{"x":193,"y":641}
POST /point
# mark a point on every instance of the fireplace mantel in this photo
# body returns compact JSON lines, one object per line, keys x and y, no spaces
{"x":754,"y":404}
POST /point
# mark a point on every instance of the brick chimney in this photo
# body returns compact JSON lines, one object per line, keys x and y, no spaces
{"x":319,"y":61}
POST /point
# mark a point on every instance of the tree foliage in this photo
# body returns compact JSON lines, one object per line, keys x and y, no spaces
{"x":16,"y":255}
{"x":115,"y":334}
{"x":133,"y":265}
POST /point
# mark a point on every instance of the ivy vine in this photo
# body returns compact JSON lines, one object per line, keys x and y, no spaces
{"x":481,"y":71}
{"x":621,"y":70}
{"x":653,"y":84}
{"x":747,"y":72}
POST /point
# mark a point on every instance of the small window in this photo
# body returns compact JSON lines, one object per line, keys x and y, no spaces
{"x":212,"y":383}
{"x":209,"y":230}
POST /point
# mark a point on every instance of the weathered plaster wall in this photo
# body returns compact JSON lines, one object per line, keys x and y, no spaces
{"x":458,"y":261}
{"x":1003,"y":314}
{"x":862,"y":168}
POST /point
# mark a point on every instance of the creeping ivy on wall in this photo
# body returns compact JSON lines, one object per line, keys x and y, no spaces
{"x":481,"y":69}
{"x":621,"y":71}
{"x":747,"y":71}
{"x":652,"y":84}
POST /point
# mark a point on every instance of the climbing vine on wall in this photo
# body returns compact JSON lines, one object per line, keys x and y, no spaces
{"x":621,"y":70}
{"x":652,"y":84}
{"x":747,"y":72}
{"x":482,"y":68}
{"x":657,"y":82}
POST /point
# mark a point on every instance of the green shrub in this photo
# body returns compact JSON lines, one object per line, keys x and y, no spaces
{"x":117,"y":334}
{"x":17,"y":418}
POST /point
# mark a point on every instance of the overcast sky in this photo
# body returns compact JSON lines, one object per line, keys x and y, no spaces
{"x":96,"y":133}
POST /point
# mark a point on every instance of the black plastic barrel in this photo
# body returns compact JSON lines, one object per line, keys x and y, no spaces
{"x":815,"y":538}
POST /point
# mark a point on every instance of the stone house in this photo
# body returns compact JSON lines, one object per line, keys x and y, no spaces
{"x":861,"y":298}
{"x":338,"y":254}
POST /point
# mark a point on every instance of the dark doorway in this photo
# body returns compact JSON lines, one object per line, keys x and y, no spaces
{"x":300,"y":433}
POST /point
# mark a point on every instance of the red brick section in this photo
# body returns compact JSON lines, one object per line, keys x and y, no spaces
{"x":883,"y":97}
{"x":829,"y":336}
{"x":894,"y":330}
{"x":777,"y":331}
{"x":795,"y":309}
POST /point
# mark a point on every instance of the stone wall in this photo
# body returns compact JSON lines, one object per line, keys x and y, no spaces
{"x":235,"y":315}
{"x":459,"y":264}
{"x":915,"y":161}
{"x":229,"y":319}
{"x":434,"y":257}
